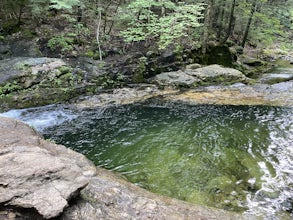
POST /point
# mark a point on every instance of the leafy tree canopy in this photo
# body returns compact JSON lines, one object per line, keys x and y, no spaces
{"x":163,"y":21}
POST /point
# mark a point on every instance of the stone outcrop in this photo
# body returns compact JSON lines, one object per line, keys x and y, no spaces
{"x":110,"y":197}
{"x":279,"y":94}
{"x":209,"y":75}
{"x":277,"y":75}
{"x":27,"y":81}
{"x":38,"y":175}
{"x":275,"y":78}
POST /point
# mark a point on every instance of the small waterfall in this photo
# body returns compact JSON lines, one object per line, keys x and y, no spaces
{"x":41,"y":118}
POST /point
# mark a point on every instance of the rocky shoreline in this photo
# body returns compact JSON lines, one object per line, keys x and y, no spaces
{"x":42,"y":180}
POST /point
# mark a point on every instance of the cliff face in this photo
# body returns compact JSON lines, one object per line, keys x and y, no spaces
{"x":42,"y":180}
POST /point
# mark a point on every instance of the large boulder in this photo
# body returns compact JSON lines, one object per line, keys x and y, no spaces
{"x":209,"y":75}
{"x":38,"y":174}
{"x":177,"y":78}
{"x":27,"y":82}
{"x":216,"y":74}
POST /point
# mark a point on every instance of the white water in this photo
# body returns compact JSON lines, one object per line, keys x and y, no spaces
{"x":41,"y":118}
{"x":267,"y":202}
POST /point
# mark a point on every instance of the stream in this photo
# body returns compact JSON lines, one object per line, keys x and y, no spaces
{"x":236,"y":158}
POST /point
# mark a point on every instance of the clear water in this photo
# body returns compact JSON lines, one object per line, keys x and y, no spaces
{"x":237,"y":158}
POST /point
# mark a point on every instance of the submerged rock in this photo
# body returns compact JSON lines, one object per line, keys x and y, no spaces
{"x":38,"y":175}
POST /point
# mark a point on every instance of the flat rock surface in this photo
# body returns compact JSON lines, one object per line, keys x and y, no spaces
{"x":271,"y":78}
{"x":275,"y":95}
{"x":208,"y":75}
{"x":279,"y":94}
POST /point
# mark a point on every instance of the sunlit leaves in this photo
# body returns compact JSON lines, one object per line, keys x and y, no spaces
{"x":162,"y":21}
{"x":64,"y":4}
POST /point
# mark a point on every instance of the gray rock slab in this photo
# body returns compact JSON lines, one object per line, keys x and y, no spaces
{"x":217,"y":73}
{"x":111,"y":197}
{"x":209,"y":75}
{"x":271,"y":78}
{"x":38,"y":174}
{"x":177,"y":78}
{"x":21,"y":66}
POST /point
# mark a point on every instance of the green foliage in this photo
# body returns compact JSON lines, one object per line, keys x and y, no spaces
{"x":65,"y":4}
{"x":108,"y":81}
{"x":39,"y":8}
{"x":28,"y":33}
{"x":8,"y":88}
{"x":66,"y":42}
{"x":267,"y":28}
{"x":63,"y":43}
{"x":162,"y":21}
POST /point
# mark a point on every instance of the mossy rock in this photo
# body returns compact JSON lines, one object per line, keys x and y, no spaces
{"x":253,"y":62}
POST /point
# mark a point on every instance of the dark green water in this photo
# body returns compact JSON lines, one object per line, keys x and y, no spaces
{"x":232,"y":157}
{"x":237,"y":158}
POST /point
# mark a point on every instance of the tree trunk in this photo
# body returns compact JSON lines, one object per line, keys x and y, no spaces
{"x":207,"y":26}
{"x":245,"y":35}
{"x":98,"y":29}
{"x":231,"y":23}
{"x":218,"y":20}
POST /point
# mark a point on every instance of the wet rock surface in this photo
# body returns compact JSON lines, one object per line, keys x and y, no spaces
{"x":136,"y":93}
{"x":110,"y":197}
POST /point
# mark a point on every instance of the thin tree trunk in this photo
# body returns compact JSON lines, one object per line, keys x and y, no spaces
{"x":112,"y":22}
{"x":218,"y":21}
{"x":98,"y":29}
{"x":207,"y":26}
{"x":245,"y":35}
{"x":231,"y":23}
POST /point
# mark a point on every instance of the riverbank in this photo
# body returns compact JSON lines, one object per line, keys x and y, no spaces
{"x":103,"y":194}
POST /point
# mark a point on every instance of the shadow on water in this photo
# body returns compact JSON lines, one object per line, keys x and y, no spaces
{"x":232,"y":157}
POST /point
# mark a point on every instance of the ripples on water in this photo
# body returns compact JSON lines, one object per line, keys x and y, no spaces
{"x":232,"y":157}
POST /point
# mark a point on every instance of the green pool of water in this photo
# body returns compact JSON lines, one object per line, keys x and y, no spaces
{"x":231,"y":157}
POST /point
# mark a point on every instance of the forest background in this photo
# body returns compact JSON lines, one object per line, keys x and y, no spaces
{"x":100,"y":28}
